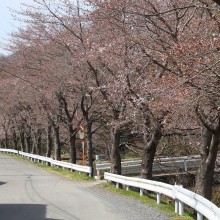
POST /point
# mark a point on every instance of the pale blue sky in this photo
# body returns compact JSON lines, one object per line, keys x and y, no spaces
{"x":7,"y":24}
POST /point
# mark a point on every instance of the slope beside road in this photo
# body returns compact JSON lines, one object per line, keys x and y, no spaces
{"x":31,"y":193}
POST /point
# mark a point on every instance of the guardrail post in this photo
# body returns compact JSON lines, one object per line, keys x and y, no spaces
{"x":117,"y":185}
{"x":127,"y":188}
{"x":181,"y":208}
{"x":98,"y":173}
{"x":158,"y":198}
{"x":141,"y":192}
{"x":199,"y":216}
{"x":185,"y":165}
{"x":176,"y":206}
{"x":90,"y":172}
{"x":181,"y":205}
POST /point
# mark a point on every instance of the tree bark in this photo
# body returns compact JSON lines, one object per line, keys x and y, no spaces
{"x":28,"y":138}
{"x":115,"y":132}
{"x":149,"y":154}
{"x":88,"y":123}
{"x":6,"y":140}
{"x":22,"y":141}
{"x":49,"y":141}
{"x":15,"y":140}
{"x":72,"y":136}
{"x":89,"y":144}
{"x":72,"y":131}
{"x":217,"y":1}
{"x":39,"y":142}
{"x":28,"y":142}
{"x":3,"y":143}
{"x":115,"y":154}
{"x":57,"y":142}
{"x":152,"y":135}
{"x":34,"y":144}
{"x":209,"y":150}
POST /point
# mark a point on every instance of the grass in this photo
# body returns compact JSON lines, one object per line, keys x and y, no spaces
{"x":150,"y":200}
{"x":60,"y":171}
{"x":65,"y":172}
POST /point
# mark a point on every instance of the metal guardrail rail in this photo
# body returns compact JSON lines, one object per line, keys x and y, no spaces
{"x":38,"y":158}
{"x":160,"y":165}
{"x":181,"y":195}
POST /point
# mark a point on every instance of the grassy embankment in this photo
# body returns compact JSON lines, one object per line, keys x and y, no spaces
{"x":167,"y":205}
{"x":64,"y":172}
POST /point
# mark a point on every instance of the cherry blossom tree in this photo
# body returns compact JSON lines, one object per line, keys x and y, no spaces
{"x":178,"y":39}
{"x":63,"y":35}
{"x":151,"y":66}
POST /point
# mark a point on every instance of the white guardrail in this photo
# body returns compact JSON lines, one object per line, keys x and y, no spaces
{"x":160,"y":165}
{"x":33,"y":157}
{"x":181,"y":195}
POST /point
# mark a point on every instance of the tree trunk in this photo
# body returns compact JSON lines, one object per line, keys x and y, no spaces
{"x":152,"y":135}
{"x":28,"y":142}
{"x":22,"y":142}
{"x":149,"y":154}
{"x":39,"y":140}
{"x":89,"y":144}
{"x":6,"y":140}
{"x":72,"y":132}
{"x":28,"y":139}
{"x":115,"y":154}
{"x":57,"y":142}
{"x":49,"y":141}
{"x":15,"y":140}
{"x":34,"y":144}
{"x":72,"y":135}
{"x":88,"y":123}
{"x":205,"y":173}
{"x":217,"y":1}
{"x":3,"y":143}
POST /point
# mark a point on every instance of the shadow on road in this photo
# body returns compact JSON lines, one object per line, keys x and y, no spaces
{"x":23,"y":212}
{"x":2,"y":183}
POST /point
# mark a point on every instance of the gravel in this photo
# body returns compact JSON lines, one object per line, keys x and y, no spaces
{"x":128,"y":207}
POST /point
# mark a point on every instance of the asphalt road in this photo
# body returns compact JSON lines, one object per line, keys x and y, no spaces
{"x":31,"y":193}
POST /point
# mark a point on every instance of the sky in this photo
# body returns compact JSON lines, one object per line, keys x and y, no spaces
{"x":7,"y":23}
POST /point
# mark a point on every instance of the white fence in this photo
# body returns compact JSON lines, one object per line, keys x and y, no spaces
{"x":159,"y":166}
{"x":37,"y":158}
{"x":180,"y":195}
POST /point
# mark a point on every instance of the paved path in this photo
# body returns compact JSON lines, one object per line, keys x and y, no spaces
{"x":30,"y":193}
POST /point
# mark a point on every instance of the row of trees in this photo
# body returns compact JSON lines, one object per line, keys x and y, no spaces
{"x":150,"y":67}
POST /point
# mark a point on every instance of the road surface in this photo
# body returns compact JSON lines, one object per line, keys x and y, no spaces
{"x":28,"y":192}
